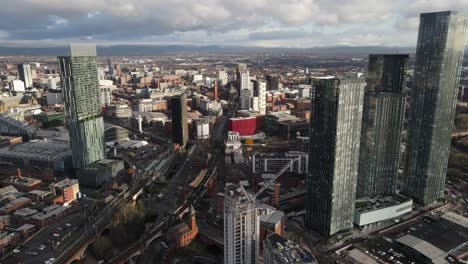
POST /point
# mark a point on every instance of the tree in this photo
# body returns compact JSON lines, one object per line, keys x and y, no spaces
{"x":102,"y":247}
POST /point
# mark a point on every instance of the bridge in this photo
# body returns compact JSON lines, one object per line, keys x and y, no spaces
{"x":158,"y":230}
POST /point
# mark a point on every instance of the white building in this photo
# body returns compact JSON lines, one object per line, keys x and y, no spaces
{"x":197,"y":78}
{"x":241,"y":228}
{"x":222,"y":76}
{"x":274,"y":162}
{"x":260,"y":92}
{"x":52,"y":82}
{"x":244,"y":81}
{"x":106,"y":95}
{"x":371,"y":211}
{"x":203,"y":130}
{"x":144,"y":105}
{"x":17,"y":86}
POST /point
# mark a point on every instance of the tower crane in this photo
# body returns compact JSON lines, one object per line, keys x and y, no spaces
{"x":267,"y":184}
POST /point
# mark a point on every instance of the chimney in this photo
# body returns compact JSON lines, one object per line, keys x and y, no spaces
{"x":18,"y":173}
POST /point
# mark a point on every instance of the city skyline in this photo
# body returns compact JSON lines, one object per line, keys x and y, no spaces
{"x":249,"y":23}
{"x":212,"y":154}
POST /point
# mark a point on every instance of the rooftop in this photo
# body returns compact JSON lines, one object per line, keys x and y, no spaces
{"x":22,"y":181}
{"x":14,"y":122}
{"x":371,"y":204}
{"x":287,"y":250}
{"x":423,"y":247}
{"x":38,"y":150}
{"x":65,"y":183}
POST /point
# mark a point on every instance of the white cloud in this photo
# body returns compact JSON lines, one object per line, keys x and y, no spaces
{"x":250,"y":22}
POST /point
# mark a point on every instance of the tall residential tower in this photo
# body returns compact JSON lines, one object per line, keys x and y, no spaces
{"x":79,"y":76}
{"x":179,"y":119}
{"x":382,"y":122}
{"x":439,"y":58}
{"x":25,"y":75}
{"x":334,"y":143}
{"x":241,"y":228}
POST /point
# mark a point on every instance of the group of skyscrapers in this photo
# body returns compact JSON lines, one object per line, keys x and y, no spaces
{"x":356,"y":128}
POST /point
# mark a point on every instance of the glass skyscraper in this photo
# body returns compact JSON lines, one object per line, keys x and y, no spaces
{"x":25,"y":74}
{"x":384,"y":106}
{"x":179,"y":119}
{"x":79,"y":77}
{"x":334,"y":146}
{"x":439,"y":57}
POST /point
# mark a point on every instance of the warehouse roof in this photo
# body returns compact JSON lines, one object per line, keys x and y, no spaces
{"x":38,"y":150}
{"x":423,"y":247}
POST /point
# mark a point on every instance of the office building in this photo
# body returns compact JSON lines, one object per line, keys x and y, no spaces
{"x":110,"y":66}
{"x":335,"y":132}
{"x":100,"y":172}
{"x":245,"y":99}
{"x":79,"y":76}
{"x":65,"y":191}
{"x":279,"y":250}
{"x":382,"y":123}
{"x":222,"y":76}
{"x":41,"y":159}
{"x":179,"y":119}
{"x":439,"y":58}
{"x":25,"y":75}
{"x":274,"y":162}
{"x":241,"y":228}
{"x":260,"y":88}
{"x":273,"y":82}
{"x":17,"y":86}
{"x":12,"y":127}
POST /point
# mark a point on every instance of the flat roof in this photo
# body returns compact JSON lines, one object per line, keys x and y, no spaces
{"x":47,"y":150}
{"x":455,"y":218}
{"x":371,"y":204}
{"x":22,"y":181}
{"x":65,"y":183}
{"x":287,"y":250}
{"x":442,"y":233}
{"x":273,"y":218}
{"x":25,"y":212}
{"x":423,"y":247}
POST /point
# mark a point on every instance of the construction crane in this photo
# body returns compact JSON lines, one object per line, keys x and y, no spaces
{"x":270,"y":182}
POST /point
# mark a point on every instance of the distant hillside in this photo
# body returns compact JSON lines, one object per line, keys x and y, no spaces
{"x":141,"y":50}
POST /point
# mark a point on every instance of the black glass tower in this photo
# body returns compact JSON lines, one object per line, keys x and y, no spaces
{"x":384,"y":106}
{"x":179,"y":119}
{"x":439,"y":57}
{"x":334,"y":146}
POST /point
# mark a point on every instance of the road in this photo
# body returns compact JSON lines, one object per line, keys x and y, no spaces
{"x":53,"y":245}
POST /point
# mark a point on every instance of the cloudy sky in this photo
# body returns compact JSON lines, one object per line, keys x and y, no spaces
{"x":285,"y":23}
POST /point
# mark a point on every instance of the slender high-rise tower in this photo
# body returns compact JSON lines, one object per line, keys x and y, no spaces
{"x":79,"y":77}
{"x":179,"y":119}
{"x":241,"y":227}
{"x":334,"y":146}
{"x":439,"y":57}
{"x":25,"y":74}
{"x":110,"y":65}
{"x":382,"y":122}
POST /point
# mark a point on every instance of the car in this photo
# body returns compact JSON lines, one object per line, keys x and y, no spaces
{"x":56,"y":235}
{"x":16,"y":251}
{"x":68,"y":225}
{"x":59,"y":228}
